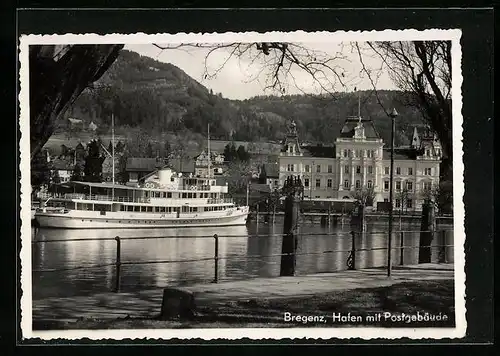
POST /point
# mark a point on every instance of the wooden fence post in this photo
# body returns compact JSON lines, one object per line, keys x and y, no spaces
{"x":427,"y":228}
{"x":118,"y":263}
{"x":442,"y":247}
{"x":216,"y":259}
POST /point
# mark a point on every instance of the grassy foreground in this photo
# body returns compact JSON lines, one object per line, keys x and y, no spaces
{"x":398,"y":306}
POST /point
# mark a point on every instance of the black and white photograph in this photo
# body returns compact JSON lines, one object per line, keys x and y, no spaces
{"x":242,"y":185}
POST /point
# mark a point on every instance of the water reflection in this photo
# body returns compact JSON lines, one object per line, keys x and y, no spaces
{"x":244,"y":252}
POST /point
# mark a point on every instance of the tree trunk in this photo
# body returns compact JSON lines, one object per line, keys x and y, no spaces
{"x":56,"y":83}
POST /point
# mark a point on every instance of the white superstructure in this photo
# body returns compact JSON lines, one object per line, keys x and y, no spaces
{"x":163,"y":199}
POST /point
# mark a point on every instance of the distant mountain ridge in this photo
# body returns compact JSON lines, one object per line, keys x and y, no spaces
{"x":159,"y":98}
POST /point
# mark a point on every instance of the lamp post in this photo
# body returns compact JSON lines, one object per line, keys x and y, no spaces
{"x":392,"y":115}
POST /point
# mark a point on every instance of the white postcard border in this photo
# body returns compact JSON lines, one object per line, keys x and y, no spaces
{"x":251,"y":333}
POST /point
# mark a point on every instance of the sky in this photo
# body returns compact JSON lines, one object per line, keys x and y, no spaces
{"x":246,"y":76}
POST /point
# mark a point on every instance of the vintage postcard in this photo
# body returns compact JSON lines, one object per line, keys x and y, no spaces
{"x":272,"y":185}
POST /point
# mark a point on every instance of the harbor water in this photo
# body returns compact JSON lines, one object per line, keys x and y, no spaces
{"x":244,"y":252}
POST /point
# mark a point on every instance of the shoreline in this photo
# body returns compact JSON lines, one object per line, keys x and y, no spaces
{"x":399,"y":305}
{"x":261,"y":302}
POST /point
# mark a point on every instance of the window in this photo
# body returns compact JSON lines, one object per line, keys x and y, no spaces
{"x":276,"y":182}
{"x":346,"y":153}
{"x":398,"y":203}
{"x":346,"y":169}
{"x":330,"y":168}
{"x":184,"y":195}
{"x":346,"y":184}
{"x":172,"y":179}
{"x":329,"y":183}
{"x":289,"y":168}
{"x":306,"y":182}
{"x":398,"y":185}
{"x":370,"y":169}
{"x":370,"y":153}
{"x":318,"y":183}
{"x":409,"y":186}
{"x":386,"y":185}
{"x":369,"y":184}
{"x":358,"y":184}
{"x":409,"y":203}
{"x":318,"y":168}
{"x":356,"y":153}
{"x":427,"y":171}
{"x":358,"y":169}
{"x":410,"y":171}
{"x":398,"y":170}
{"x":427,"y":153}
{"x":427,"y":186}
{"x":386,"y":170}
{"x":307,"y":168}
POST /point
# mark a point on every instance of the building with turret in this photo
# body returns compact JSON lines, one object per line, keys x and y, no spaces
{"x":359,"y":161}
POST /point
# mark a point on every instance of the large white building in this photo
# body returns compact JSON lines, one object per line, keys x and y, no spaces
{"x":360,"y":161}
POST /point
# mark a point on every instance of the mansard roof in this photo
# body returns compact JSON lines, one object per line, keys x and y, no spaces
{"x":319,"y":151}
{"x":402,"y":153}
{"x":351,"y":123}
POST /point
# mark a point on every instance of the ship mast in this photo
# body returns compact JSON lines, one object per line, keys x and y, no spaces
{"x":208,"y":150}
{"x":113,"y":151}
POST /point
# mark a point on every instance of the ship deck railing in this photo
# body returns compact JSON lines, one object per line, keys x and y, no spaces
{"x":121,"y":199}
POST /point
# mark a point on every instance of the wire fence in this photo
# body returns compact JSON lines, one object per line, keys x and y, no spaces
{"x":351,"y":263}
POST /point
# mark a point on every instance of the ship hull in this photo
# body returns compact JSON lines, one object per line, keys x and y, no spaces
{"x":94,"y":220}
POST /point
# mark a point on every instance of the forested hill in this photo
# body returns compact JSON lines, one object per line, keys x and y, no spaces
{"x":161,"y":98}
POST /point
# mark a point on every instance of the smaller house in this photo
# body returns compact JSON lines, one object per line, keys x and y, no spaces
{"x":216,"y":164}
{"x":269,"y":174}
{"x":186,"y":166}
{"x":138,"y":167}
{"x":61,"y":170}
{"x":92,"y":126}
{"x":80,"y":153}
{"x":73,"y":124}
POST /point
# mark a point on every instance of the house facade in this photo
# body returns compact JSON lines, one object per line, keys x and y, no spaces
{"x":359,"y":161}
{"x":138,"y":167}
{"x":216,"y":164}
{"x":61,"y":170}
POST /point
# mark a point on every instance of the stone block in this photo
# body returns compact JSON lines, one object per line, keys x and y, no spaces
{"x":177,"y":303}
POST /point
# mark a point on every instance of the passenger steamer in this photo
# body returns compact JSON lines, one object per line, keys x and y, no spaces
{"x":163,"y":199}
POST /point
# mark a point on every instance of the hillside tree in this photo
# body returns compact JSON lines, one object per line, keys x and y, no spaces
{"x":40,"y":170}
{"x":93,"y":162}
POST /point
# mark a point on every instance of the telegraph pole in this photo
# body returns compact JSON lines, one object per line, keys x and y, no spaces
{"x":393,"y":116}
